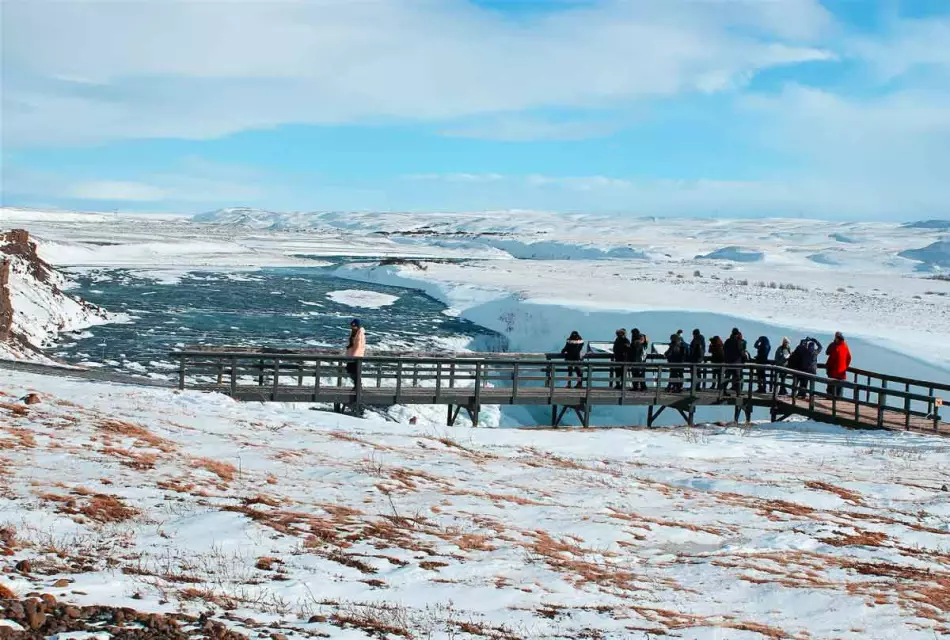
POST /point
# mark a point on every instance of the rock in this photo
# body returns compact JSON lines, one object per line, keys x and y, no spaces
{"x":944,"y":488}
{"x":23,"y":566}
{"x":62,"y":582}
{"x":48,"y":599}
{"x":33,"y":615}
{"x":278,"y":636}
{"x":72,"y":612}
{"x":31,"y":398}
{"x":314,"y":619}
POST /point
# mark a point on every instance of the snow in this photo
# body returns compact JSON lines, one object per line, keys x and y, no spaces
{"x":936,"y":254}
{"x":735,"y":254}
{"x":799,"y":527}
{"x":362,"y":299}
{"x":41,"y":310}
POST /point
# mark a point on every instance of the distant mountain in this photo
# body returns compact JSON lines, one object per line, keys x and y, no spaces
{"x":930,"y":225}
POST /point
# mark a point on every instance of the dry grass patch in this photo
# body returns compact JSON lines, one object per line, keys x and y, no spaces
{"x":224,"y":470}
{"x":845,"y":494}
{"x":16,"y":410}
{"x":6,"y":593}
{"x":140,"y":434}
{"x":861,"y":538}
{"x":106,"y":508}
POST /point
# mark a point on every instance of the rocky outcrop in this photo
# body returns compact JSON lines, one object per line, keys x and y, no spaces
{"x":33,"y":306}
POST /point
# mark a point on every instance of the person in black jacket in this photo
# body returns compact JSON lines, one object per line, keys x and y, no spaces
{"x":717,"y":355}
{"x":763,"y":348}
{"x":736,"y":353}
{"x":782,"y":355}
{"x":573,"y":351}
{"x":676,"y":353}
{"x":638,"y":354}
{"x":805,"y":358}
{"x":697,"y":354}
{"x":621,"y":347}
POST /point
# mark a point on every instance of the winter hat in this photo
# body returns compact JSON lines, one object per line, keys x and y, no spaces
{"x":839,"y":335}
{"x":695,"y":332}
{"x":621,"y":332}
{"x":356,"y":321}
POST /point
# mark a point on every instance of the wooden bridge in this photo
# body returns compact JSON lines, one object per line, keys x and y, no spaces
{"x":470,"y":381}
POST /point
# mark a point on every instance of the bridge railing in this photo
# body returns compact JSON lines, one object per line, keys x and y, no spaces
{"x":867,"y":397}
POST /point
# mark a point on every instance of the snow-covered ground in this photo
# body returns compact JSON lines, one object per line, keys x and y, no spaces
{"x":40,"y":307}
{"x":314,"y":523}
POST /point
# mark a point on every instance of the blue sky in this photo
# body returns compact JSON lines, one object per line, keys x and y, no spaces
{"x":836,"y":109}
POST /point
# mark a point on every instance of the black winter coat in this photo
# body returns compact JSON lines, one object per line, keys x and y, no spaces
{"x":697,"y":349}
{"x":677,"y":353}
{"x":638,"y":351}
{"x":621,"y":347}
{"x":735,"y":350}
{"x":573,"y":350}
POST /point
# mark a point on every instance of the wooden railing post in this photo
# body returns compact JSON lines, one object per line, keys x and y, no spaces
{"x":438,"y":380}
{"x":515,"y":382}
{"x":181,"y":373}
{"x":358,"y":383}
{"x":233,"y":376}
{"x":276,"y":378}
{"x":398,"y":379}
{"x":478,"y":386}
{"x":811,"y":394}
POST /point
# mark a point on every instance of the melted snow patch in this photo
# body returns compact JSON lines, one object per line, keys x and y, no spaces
{"x":362,"y":299}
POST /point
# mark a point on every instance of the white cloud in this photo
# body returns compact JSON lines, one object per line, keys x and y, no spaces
{"x":80,"y":71}
{"x":116,"y":191}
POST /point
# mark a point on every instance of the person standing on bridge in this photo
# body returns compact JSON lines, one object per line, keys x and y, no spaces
{"x":697,"y":354}
{"x":573,"y":351}
{"x":737,"y":353}
{"x":782,"y":356}
{"x":763,"y":348}
{"x":717,"y":355}
{"x":621,"y":347}
{"x":355,"y":348}
{"x":676,"y":353}
{"x":638,"y":354}
{"x":839,"y":359}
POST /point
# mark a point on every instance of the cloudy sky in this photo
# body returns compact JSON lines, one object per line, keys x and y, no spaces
{"x":833,"y":108}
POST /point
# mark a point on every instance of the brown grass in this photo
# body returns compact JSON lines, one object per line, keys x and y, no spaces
{"x":138,"y":460}
{"x":105,"y":508}
{"x":845,"y":494}
{"x":224,"y":470}
{"x":18,"y":410}
{"x":141,"y":435}
{"x":861,"y":538}
{"x":6,"y":593}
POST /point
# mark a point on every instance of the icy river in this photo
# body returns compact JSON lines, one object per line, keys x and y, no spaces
{"x":284,"y":307}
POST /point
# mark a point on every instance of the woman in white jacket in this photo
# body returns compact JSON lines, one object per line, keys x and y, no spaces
{"x":356,"y":347}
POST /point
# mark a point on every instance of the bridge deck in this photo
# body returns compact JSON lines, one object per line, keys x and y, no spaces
{"x":878,"y":401}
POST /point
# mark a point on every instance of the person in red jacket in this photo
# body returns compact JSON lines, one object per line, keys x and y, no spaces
{"x":839,"y":359}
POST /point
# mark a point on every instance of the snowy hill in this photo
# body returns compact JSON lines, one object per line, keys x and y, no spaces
{"x":33,"y":306}
{"x":281,"y":520}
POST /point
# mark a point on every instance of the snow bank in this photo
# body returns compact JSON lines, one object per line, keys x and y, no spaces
{"x":38,"y":308}
{"x":361,"y":299}
{"x":735,"y":254}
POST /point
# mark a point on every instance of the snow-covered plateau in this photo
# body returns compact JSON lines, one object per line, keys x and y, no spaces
{"x":282,"y":521}
{"x":883,"y":282}
{"x":277,"y":519}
